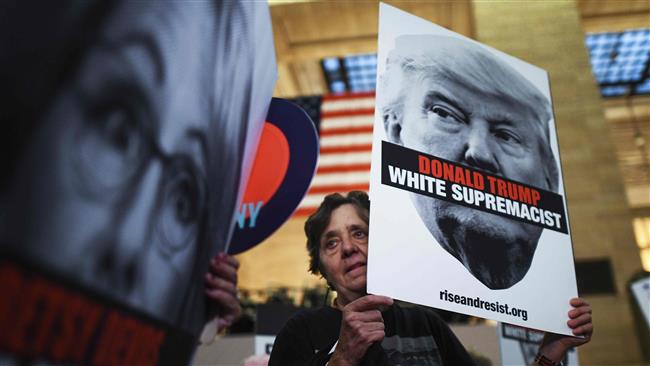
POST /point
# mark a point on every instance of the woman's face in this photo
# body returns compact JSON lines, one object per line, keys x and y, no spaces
{"x":343,"y":253}
{"x":115,"y":175}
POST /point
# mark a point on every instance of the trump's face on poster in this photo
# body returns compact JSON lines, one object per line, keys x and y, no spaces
{"x":477,"y":111}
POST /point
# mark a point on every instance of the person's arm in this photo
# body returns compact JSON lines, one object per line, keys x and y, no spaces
{"x":221,"y":289}
{"x":361,"y":326}
{"x":555,"y":346}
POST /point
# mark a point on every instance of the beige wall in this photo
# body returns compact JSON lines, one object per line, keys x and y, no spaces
{"x":280,"y":261}
{"x":548,"y":34}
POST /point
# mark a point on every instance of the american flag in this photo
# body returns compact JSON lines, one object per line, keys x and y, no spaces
{"x":345,"y":127}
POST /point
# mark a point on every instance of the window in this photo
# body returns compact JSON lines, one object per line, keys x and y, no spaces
{"x":595,"y":276}
{"x":619,"y":61}
{"x":642,"y":233}
{"x":357,"y":73}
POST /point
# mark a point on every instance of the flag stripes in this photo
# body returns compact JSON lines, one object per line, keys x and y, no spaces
{"x":345,"y":127}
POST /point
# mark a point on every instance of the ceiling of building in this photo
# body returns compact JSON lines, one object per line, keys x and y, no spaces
{"x":307,"y":32}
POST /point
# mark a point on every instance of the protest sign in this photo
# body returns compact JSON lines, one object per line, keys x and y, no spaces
{"x":285,"y":163}
{"x":468,"y":208}
{"x":133,"y":126}
{"x":641,"y":291}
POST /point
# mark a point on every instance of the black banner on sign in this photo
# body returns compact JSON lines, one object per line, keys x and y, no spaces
{"x":48,"y":318}
{"x":431,"y":176}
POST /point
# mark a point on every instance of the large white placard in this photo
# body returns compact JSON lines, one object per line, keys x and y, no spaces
{"x":468,"y":210}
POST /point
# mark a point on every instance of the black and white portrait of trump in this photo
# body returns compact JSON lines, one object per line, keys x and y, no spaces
{"x":456,"y":100}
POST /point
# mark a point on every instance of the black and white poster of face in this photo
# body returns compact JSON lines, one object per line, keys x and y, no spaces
{"x":135,"y":126}
{"x":468,"y":210}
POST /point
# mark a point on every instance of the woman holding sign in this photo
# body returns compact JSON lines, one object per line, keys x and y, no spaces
{"x":364,"y":329}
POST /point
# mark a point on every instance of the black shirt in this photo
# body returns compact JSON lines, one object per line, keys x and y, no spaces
{"x":415,"y":336}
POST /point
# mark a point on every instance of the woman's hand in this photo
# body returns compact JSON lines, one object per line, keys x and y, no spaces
{"x":361,"y":326}
{"x":554,"y":346}
{"x":221,"y":288}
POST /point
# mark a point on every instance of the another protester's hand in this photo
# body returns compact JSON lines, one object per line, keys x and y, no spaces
{"x":554,"y":346}
{"x":221,"y":288}
{"x":361,"y":326}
